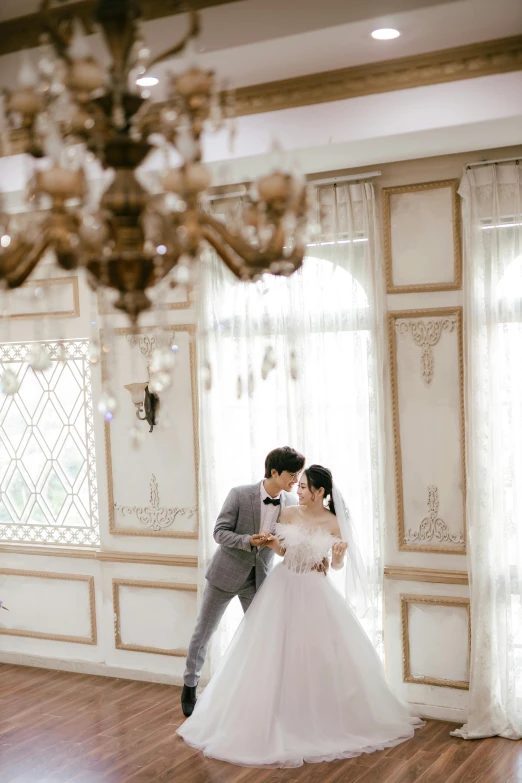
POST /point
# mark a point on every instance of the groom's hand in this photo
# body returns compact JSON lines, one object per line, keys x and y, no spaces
{"x":258,"y":539}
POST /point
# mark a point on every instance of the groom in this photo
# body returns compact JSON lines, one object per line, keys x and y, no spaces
{"x":241,"y":561}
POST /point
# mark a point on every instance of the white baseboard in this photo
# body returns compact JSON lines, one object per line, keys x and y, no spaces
{"x":434,"y":712}
{"x":88,"y":667}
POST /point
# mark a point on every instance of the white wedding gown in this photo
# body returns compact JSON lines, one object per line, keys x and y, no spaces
{"x":300,"y":681}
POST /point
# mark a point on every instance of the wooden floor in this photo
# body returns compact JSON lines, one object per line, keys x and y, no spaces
{"x":61,"y":727}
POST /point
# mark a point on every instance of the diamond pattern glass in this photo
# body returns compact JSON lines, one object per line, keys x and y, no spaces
{"x":48,"y":491}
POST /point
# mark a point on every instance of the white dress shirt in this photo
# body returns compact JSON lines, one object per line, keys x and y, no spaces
{"x":269,"y":512}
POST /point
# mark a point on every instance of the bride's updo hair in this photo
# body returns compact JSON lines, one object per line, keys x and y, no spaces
{"x":321,"y":478}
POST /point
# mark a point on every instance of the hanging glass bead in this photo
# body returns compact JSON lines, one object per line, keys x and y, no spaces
{"x":269,"y":362}
{"x":107,"y":405}
{"x":9,"y":383}
{"x":206,"y":376}
{"x":39,"y":358}
{"x":159,"y":382}
{"x":294,"y":368}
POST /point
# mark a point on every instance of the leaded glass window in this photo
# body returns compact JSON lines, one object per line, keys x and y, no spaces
{"x":48,"y":491}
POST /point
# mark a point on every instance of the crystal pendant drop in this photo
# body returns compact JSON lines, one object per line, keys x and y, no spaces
{"x":39,"y":358}
{"x":162,"y":360}
{"x":9,"y":383}
{"x":94,"y":352}
{"x":61,"y":353}
{"x":294,"y":369}
{"x":137,"y":436}
{"x":239,"y":387}
{"x":107,"y":405}
{"x":269,"y":362}
{"x":206,"y":376}
{"x":251,"y":384}
{"x":159,"y":382}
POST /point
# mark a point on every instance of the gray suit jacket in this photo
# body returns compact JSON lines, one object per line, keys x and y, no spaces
{"x":239,"y":519}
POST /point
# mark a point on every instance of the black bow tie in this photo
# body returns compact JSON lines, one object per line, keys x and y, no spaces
{"x":272,"y":501}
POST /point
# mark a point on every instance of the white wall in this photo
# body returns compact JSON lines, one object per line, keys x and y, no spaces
{"x":129,"y":608}
{"x":426,"y":583}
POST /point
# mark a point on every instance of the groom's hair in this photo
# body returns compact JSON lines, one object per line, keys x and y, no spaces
{"x":283,"y":458}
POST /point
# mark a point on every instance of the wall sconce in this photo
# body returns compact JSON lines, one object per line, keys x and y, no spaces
{"x":146,"y":402}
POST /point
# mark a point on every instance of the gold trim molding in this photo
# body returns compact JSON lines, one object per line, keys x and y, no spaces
{"x":104,"y":307}
{"x":139,"y":558}
{"x":410,"y":574}
{"x":51,"y":281}
{"x":92,"y":639}
{"x":433,"y":600}
{"x":116,"y":531}
{"x":393,"y":316}
{"x":447,"y":65}
{"x":116,"y":584}
{"x":453,"y":285}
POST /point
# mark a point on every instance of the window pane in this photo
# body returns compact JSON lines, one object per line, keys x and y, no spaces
{"x":48,"y":492}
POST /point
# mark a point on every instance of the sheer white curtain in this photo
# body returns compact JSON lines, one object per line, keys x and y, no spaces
{"x":492,"y":214}
{"x":322,"y":328}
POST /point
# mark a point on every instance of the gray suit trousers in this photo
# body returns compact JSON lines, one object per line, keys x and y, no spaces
{"x":213,"y":605}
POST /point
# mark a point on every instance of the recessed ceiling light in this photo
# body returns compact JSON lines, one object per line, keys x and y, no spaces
{"x":385,"y":34}
{"x":147,"y":81}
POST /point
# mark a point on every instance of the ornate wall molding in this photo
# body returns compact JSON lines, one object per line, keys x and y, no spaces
{"x":141,"y":558}
{"x":113,"y":530}
{"x":116,"y":584}
{"x":91,"y":639}
{"x":407,"y":315}
{"x":387,"y":193}
{"x":411,"y":574}
{"x":74,"y":312}
{"x":426,"y":336}
{"x":154,"y":516}
{"x":432,"y":526}
{"x":104,"y":307}
{"x":147,"y":343}
{"x":433,"y":600}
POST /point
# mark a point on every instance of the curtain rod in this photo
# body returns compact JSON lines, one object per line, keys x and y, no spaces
{"x":348,"y":178}
{"x":329,"y":181}
{"x":491,"y":162}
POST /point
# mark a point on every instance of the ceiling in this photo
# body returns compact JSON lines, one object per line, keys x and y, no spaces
{"x":255,"y":41}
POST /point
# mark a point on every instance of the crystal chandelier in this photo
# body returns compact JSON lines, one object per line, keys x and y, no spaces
{"x":74,"y":111}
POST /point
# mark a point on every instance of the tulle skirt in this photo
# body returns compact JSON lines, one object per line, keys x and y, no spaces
{"x":300,"y":682}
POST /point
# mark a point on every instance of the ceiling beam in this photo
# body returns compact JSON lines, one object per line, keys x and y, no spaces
{"x":23,"y":32}
{"x":447,"y":65}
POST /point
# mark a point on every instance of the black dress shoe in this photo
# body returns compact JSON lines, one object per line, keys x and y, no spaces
{"x":188,"y":700}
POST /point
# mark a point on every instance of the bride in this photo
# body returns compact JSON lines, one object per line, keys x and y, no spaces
{"x":301,"y":681}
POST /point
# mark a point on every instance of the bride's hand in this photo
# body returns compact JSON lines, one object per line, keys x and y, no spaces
{"x":338,"y":553}
{"x":271,"y":542}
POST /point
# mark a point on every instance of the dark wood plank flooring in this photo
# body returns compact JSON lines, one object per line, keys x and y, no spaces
{"x":57,"y":727}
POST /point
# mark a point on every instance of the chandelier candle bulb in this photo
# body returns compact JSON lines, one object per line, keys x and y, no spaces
{"x":61,"y":183}
{"x":85,"y":76}
{"x":25,"y":101}
{"x":273,"y":187}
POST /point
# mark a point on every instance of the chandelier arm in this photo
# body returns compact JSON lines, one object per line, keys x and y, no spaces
{"x":222,"y":250}
{"x":238,"y":245}
{"x":30,"y":257}
{"x":193,"y":31}
{"x":60,"y":41}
